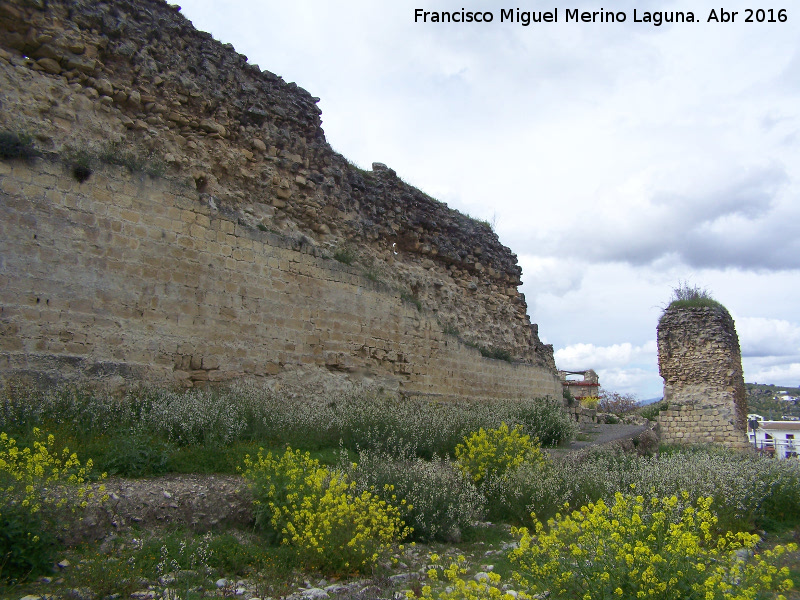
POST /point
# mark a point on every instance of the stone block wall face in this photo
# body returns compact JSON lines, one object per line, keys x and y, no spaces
{"x":700,"y":361}
{"x":222,"y":265}
{"x":127,"y":277}
{"x":82,"y":73}
{"x":582,"y":415}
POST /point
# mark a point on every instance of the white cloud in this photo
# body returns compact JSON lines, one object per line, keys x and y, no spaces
{"x":760,"y":337}
{"x":641,"y":382}
{"x":783,"y":374}
{"x":770,"y":350}
{"x":558,"y":277}
{"x":589,"y":356}
{"x":621,"y":367}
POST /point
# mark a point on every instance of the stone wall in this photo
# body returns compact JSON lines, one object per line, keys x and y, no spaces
{"x":581,"y":414}
{"x":700,"y":361}
{"x":81,"y":74}
{"x":220,"y":261}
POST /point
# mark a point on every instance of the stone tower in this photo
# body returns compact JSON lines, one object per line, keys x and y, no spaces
{"x":701,"y":363}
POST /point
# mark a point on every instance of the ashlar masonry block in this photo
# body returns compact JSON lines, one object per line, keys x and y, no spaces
{"x":701,"y":364}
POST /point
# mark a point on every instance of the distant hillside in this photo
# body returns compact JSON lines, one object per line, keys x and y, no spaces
{"x":650,"y":401}
{"x":765,"y":400}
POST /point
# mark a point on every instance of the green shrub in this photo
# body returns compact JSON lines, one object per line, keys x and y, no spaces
{"x":567,"y":395}
{"x":135,"y":159}
{"x":135,"y":454}
{"x":458,"y":587}
{"x":345,"y":254}
{"x":83,"y":160}
{"x":234,"y":556}
{"x":651,"y":411}
{"x":495,"y":452}
{"x":542,"y":418}
{"x":411,"y":299}
{"x":748,"y":491}
{"x":496,"y":353}
{"x":219,"y":555}
{"x":616,"y":403}
{"x":449,"y":329}
{"x":318,"y":512}
{"x":27,"y":545}
{"x":442,"y":502}
{"x":105,"y":576}
{"x":17,"y":145}
{"x":82,"y":171}
{"x":372,"y":273}
{"x":84,"y":412}
{"x":632,"y":548}
{"x":28,"y":505}
{"x":214,"y":458}
{"x":511,"y":498}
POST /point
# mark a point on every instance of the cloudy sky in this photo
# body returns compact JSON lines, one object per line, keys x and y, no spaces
{"x":615,"y":159}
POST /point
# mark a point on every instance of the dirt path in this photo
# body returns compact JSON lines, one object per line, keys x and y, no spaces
{"x":597,"y":435}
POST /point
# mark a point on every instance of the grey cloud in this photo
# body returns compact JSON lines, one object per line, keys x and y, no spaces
{"x":769,"y":339}
{"x":736,"y":226}
{"x":750,"y":196}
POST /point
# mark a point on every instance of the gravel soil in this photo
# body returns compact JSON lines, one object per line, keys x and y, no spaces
{"x":598,"y":435}
{"x":198,"y":502}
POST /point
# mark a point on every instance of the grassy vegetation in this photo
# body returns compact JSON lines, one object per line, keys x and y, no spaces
{"x":15,"y":145}
{"x":689,"y":296}
{"x":366,"y":173}
{"x":180,"y":563}
{"x":490,"y":225}
{"x":135,"y":159}
{"x":411,"y":299}
{"x":496,"y":353}
{"x":651,"y":410}
{"x":449,"y":329}
{"x":363,"y":457}
{"x":345,"y":254}
{"x":372,"y":272}
{"x":154,"y":431}
{"x":83,"y":160}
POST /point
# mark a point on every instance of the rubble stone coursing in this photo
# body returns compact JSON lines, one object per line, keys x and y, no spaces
{"x":224,"y":265}
{"x":701,"y":363}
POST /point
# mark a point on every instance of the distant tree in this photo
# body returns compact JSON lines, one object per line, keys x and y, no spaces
{"x":616,"y":403}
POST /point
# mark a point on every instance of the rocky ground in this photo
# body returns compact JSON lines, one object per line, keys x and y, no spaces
{"x":405,"y":571}
{"x":198,"y":502}
{"x":597,"y":434}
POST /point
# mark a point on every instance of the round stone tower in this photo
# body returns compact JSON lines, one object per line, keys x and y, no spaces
{"x":701,"y":363}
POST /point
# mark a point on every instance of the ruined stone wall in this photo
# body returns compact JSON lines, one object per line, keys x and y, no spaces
{"x":207,"y":251}
{"x":701,"y":363}
{"x":588,"y":387}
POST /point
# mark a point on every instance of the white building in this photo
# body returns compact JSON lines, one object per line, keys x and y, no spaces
{"x":778,"y":438}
